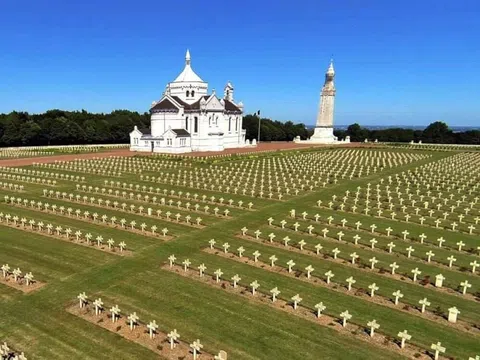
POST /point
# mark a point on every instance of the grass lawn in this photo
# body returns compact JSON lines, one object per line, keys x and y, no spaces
{"x":38,"y":324}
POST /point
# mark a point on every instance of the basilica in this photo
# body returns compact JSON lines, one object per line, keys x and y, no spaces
{"x":187,"y":118}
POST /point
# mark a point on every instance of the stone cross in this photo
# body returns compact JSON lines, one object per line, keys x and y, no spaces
{"x":218,"y":273}
{"x":356,"y":238}
{"x":437,"y":348}
{"x":415,"y":273}
{"x":240,"y":250}
{"x":201,"y":269}
{"x":354,"y":256}
{"x":254,"y":285}
{"x":275,"y":292}
{"x":212,"y":243}
{"x":345,"y":316}
{"x":296,"y":300}
{"x":186,"y":263}
{"x":309,"y":270}
{"x":451,"y":259}
{"x":410,"y":249}
{"x":172,"y":259}
{"x":373,"y":325}
{"x":474,"y":264}
{"x":320,"y":307}
{"x":152,"y":328}
{"x":398,"y":295}
{"x":440,"y":241}
{"x":403,"y":335}
{"x":28,"y":278}
{"x":290,"y":264}
{"x":389,"y":230}
{"x":394,"y":267}
{"x":373,"y":287}
{"x":236,"y":278}
{"x":329,"y":274}
{"x":465,"y":285}
{"x":133,"y":320}
{"x":424,"y":302}
{"x":196,"y":346}
{"x":173,"y":336}
{"x":98,"y":303}
{"x":350,"y":281}
{"x":390,"y":246}
{"x":225,"y":246}
{"x":429,"y":254}
{"x":271,"y":236}
{"x":373,"y":261}
{"x":82,"y":298}
{"x":115,"y":311}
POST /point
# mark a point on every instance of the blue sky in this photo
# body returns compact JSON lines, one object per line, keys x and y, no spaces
{"x":397,"y":62}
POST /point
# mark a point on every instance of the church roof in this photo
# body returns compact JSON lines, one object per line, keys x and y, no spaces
{"x":144,"y":131}
{"x":181,"y":132}
{"x":165,"y":104}
{"x":229,"y":106}
{"x":188,"y":75}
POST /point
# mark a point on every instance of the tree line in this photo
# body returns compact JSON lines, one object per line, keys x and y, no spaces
{"x":58,"y":127}
{"x":437,"y":133}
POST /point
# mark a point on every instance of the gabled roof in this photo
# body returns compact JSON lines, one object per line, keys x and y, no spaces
{"x":181,"y":132}
{"x":144,"y":131}
{"x":230,"y":106}
{"x":165,"y":104}
{"x":193,"y":106}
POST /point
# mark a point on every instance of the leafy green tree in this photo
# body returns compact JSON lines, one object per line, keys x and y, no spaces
{"x":437,"y":132}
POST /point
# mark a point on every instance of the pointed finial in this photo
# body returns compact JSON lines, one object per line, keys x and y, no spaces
{"x":187,"y":57}
{"x":330,"y":67}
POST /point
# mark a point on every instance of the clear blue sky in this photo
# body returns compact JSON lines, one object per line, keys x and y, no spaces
{"x":406,"y":62}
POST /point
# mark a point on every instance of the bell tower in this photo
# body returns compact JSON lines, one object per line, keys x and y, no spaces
{"x":228,"y":92}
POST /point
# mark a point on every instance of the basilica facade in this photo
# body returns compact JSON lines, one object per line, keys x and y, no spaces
{"x":187,"y":118}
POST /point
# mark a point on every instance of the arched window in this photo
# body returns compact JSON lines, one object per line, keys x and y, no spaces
{"x":236,"y":124}
{"x":195,"y":125}
{"x":209,"y":121}
{"x":186,"y":123}
{"x":193,"y":93}
{"x":188,"y":93}
{"x":230,"y":124}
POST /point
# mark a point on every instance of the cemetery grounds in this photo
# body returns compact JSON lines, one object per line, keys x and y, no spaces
{"x":309,"y":254}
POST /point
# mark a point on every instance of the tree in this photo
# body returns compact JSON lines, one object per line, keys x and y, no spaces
{"x":437,"y":132}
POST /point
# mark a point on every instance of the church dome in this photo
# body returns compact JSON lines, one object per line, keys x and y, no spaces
{"x":188,"y":75}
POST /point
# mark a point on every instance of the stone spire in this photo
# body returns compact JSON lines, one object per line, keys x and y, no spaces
{"x":187,"y":57}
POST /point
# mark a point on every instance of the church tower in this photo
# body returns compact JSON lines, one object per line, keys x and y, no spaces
{"x":324,"y":127}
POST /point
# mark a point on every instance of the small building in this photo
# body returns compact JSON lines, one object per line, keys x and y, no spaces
{"x":187,"y":118}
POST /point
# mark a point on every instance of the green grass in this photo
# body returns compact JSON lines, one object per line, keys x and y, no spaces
{"x":38,"y":324}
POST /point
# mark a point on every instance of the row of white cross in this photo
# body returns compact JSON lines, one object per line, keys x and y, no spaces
{"x":134,"y":320}
{"x":59,"y":230}
{"x":295,"y":301}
